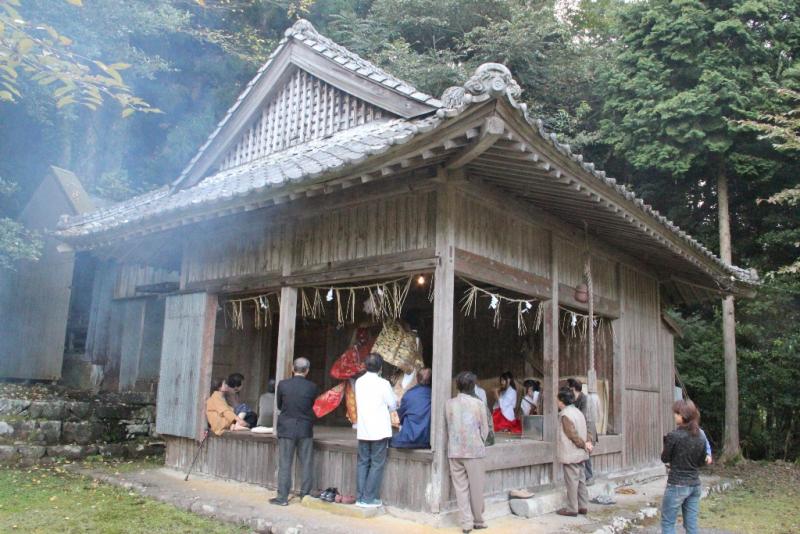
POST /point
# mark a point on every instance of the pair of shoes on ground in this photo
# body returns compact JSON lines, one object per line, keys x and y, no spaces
{"x":565,"y":512}
{"x":374,"y":503}
{"x":475,"y":527}
{"x":329,"y":495}
{"x":279,"y":502}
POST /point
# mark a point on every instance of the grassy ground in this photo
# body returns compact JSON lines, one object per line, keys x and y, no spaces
{"x":48,"y":499}
{"x":768,"y":501}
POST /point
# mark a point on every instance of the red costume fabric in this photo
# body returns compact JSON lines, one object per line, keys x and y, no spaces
{"x":502,"y":424}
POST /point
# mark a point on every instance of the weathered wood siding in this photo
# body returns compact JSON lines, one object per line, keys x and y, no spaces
{"x":571,"y":267}
{"x":502,"y":237}
{"x":643,"y":400}
{"x":185,"y":363}
{"x":390,"y":225}
{"x":34,"y":301}
{"x":233,"y":251}
{"x":141,"y":340}
{"x":386,"y":226}
{"x":667,"y":361}
{"x":305,"y":108}
{"x":35,"y":296}
{"x":131,"y":275}
{"x":132,"y":338}
{"x":255,"y":460}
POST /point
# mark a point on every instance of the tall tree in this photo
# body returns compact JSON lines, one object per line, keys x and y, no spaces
{"x":685,"y":72}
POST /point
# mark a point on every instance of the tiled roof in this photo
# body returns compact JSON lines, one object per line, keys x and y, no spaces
{"x":299,"y":163}
{"x":349,"y":147}
{"x":304,"y":32}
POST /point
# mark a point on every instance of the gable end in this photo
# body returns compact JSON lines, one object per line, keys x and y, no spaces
{"x":304,"y":109}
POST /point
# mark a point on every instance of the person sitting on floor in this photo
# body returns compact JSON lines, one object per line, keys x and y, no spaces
{"x":415,"y":415}
{"x":503,"y":416}
{"x":266,"y":405}
{"x":219,"y":413}
{"x":530,"y":402}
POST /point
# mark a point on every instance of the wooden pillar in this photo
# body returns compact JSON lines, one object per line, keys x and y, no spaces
{"x":288,"y":312}
{"x":619,"y":365}
{"x":444,"y":284}
{"x":131,"y":342}
{"x":550,"y":360}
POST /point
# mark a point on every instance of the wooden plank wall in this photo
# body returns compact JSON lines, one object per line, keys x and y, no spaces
{"x":255,"y":461}
{"x":641,"y":337}
{"x":131,"y":275}
{"x":231,"y":251}
{"x":131,"y":342}
{"x":667,"y":361}
{"x":185,"y":363}
{"x":389,"y":225}
{"x":570,"y":265}
{"x":34,"y":301}
{"x":483,"y":230}
{"x":97,"y":336}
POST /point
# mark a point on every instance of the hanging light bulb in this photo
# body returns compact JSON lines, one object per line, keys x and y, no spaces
{"x":421,"y":280}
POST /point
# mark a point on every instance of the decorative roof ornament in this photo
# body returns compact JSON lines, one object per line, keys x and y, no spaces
{"x":301,"y":26}
{"x":489,"y":80}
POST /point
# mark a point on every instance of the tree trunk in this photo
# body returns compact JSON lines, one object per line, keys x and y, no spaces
{"x":730,"y":443}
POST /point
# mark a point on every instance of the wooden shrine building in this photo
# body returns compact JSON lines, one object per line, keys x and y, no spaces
{"x":329,"y":179}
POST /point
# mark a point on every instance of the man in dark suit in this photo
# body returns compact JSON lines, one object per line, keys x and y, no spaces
{"x":295,"y":399}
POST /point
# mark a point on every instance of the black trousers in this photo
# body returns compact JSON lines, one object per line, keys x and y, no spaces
{"x":305,"y":457}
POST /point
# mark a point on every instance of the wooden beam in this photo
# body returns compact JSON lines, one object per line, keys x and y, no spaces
{"x":409,"y":262}
{"x":493,"y":272}
{"x":602,"y":306}
{"x":443,"y":318}
{"x":619,"y":357}
{"x":550,"y":360}
{"x":521,"y":453}
{"x":492,"y":130}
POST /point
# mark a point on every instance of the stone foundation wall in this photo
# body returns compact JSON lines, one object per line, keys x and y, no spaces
{"x":33,"y":431}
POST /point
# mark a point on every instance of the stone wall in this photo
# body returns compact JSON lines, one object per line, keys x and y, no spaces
{"x":73,"y":426}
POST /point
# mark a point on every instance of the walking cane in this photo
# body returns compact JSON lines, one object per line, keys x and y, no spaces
{"x":199,"y":448}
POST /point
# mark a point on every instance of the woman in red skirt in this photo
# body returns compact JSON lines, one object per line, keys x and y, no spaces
{"x":503,"y":415}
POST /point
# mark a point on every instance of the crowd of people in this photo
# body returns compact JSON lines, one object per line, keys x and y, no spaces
{"x":471,"y":426}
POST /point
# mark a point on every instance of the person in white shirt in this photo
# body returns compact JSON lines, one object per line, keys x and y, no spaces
{"x":503,"y":415}
{"x":375,"y":401}
{"x":530,"y":402}
{"x":481,"y":394}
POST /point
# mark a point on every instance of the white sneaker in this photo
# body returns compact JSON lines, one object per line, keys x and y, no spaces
{"x":362,"y":504}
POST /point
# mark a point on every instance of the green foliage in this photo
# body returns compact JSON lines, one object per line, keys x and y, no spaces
{"x":17,"y":243}
{"x":686,"y":70}
{"x":35,"y":49}
{"x":769,"y":369}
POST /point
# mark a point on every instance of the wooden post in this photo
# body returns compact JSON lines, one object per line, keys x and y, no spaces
{"x":619,"y":365}
{"x":288,"y":315}
{"x":550,"y":360}
{"x":444,"y":284}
